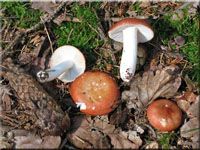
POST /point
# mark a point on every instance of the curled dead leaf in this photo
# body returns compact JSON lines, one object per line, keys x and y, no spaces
{"x":183,"y":104}
{"x":152,"y":84}
{"x":188,"y":96}
{"x":193,"y":110}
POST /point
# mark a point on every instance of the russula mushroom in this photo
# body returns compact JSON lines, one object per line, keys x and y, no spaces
{"x":164,"y":115}
{"x":66,"y":64}
{"x":96,"y":93}
{"x":130,"y":32}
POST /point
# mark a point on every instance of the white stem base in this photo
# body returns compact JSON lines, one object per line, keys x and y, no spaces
{"x":129,"y":54}
{"x":52,"y":73}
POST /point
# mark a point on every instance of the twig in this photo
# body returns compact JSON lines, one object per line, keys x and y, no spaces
{"x":69,"y":35}
{"x":51,"y":46}
{"x":4,"y":26}
{"x":152,"y":130}
{"x":108,"y":45}
{"x":47,"y":19}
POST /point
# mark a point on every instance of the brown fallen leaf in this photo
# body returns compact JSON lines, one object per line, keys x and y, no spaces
{"x":190,"y":84}
{"x":44,"y":6}
{"x":184,"y":105}
{"x":193,"y":110}
{"x":191,"y":130}
{"x":4,"y":143}
{"x":152,"y":84}
{"x":185,"y":100}
{"x":188,"y":96}
{"x":119,"y":116}
{"x":83,"y":135}
{"x":97,"y":132}
{"x":35,"y":141}
{"x":120,"y":142}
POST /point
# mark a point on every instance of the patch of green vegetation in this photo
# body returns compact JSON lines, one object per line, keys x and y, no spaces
{"x":187,"y":27}
{"x":166,"y":139}
{"x":136,"y":7}
{"x":82,"y":35}
{"x":20,"y":14}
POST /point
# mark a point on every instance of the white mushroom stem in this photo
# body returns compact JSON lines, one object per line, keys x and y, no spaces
{"x":129,"y":54}
{"x":52,"y":73}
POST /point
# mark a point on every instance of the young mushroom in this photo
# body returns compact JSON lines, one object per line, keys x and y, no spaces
{"x":164,"y":115}
{"x":66,"y":64}
{"x":130,"y":32}
{"x":96,"y":93}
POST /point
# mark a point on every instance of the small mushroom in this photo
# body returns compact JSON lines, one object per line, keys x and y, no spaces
{"x":130,"y":32}
{"x":141,"y":56}
{"x":164,"y":115}
{"x":66,"y":64}
{"x":96,"y":93}
{"x":179,"y":40}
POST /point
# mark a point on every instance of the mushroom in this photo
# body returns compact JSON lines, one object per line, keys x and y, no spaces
{"x":164,"y":115}
{"x":141,"y":56}
{"x":96,"y":93}
{"x":130,"y":31}
{"x":66,"y":64}
{"x":179,"y":40}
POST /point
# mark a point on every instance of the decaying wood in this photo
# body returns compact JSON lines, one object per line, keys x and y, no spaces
{"x":45,"y":113}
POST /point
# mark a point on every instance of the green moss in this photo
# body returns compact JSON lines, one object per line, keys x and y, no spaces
{"x":81,"y":35}
{"x":186,"y":27}
{"x":20,"y":14}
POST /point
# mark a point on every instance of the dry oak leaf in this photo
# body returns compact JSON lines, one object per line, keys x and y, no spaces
{"x":119,"y":139}
{"x":120,"y":142}
{"x":44,"y":6}
{"x":98,"y":133}
{"x":191,"y":130}
{"x":193,"y":110}
{"x":35,"y":141}
{"x":188,"y":102}
{"x":83,"y":135}
{"x":152,"y":84}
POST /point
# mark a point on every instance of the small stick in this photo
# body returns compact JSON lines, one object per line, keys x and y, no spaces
{"x":108,"y":45}
{"x":51,"y":46}
{"x":69,"y":35}
{"x":152,"y":130}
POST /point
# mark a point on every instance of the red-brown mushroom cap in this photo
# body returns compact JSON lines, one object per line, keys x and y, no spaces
{"x":164,"y":115}
{"x":98,"y":91}
{"x":145,"y":33}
